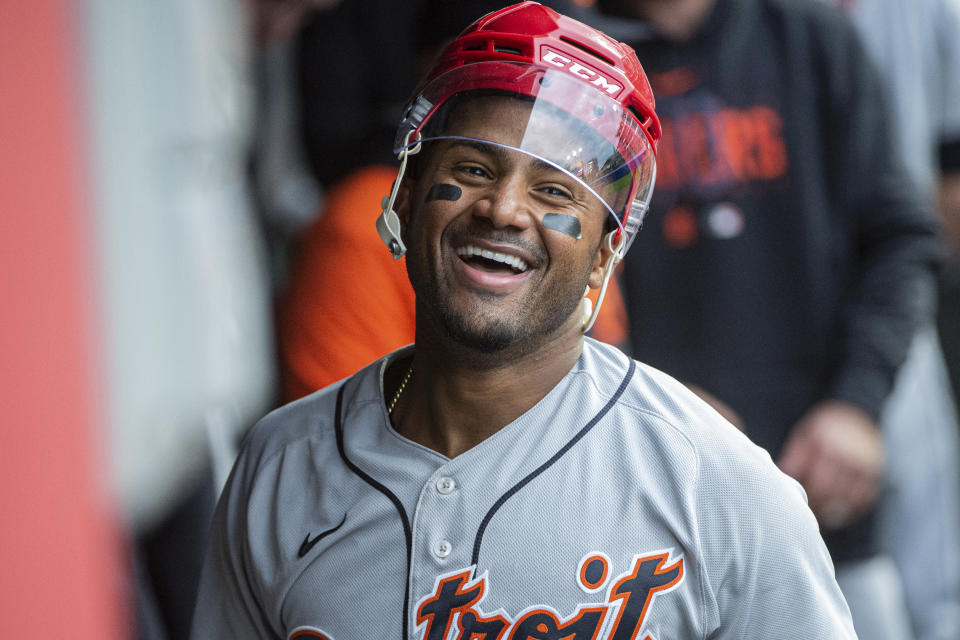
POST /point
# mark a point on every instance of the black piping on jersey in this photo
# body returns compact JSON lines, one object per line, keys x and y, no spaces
{"x":408,"y":535}
{"x":533,"y":474}
{"x":407,"y":532}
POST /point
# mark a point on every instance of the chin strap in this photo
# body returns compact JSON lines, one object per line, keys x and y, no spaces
{"x":388,"y":223}
{"x":616,"y":255}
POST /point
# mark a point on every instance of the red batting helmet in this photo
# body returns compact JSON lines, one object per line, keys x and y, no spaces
{"x":564,"y":67}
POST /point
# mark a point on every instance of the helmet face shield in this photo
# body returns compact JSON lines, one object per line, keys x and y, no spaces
{"x":571,"y":125}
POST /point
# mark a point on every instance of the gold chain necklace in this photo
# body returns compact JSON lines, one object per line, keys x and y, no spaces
{"x":399,"y":391}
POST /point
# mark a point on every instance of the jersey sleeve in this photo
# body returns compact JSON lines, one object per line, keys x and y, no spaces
{"x":229,"y":602}
{"x":768,"y":572}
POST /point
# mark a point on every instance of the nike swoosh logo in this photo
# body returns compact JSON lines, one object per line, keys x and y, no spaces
{"x":308,"y":543}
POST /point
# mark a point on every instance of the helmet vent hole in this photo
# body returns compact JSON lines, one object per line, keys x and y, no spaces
{"x":475,"y":47}
{"x":510,"y":50}
{"x":587,"y":49}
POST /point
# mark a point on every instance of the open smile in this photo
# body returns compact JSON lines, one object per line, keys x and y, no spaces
{"x":491,"y":261}
{"x":495,"y":271}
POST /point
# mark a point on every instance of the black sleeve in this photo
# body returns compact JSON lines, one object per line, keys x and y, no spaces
{"x":890,"y":228}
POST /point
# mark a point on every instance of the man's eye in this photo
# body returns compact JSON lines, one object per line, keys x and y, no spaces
{"x":556,"y":192}
{"x":473,"y":170}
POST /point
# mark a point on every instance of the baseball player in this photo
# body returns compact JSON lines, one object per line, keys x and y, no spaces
{"x":505,"y":477}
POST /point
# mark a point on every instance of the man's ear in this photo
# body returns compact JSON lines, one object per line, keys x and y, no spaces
{"x":601,"y":261}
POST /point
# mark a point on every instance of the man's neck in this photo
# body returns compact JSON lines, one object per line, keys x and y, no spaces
{"x":452,"y":402}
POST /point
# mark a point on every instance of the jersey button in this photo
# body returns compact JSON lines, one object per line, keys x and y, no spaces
{"x":442,"y":548}
{"x":445,"y":486}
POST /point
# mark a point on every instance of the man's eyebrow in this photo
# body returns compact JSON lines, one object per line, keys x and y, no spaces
{"x":482,"y":147}
{"x":501,"y":153}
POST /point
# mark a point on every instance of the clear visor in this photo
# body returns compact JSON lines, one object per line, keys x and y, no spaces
{"x":571,"y":125}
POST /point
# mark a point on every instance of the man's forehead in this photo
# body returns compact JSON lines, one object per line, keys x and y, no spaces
{"x":499,"y":119}
{"x":513,"y":121}
{"x":502,"y":154}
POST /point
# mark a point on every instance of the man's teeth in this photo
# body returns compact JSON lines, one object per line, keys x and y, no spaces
{"x":511,"y":261}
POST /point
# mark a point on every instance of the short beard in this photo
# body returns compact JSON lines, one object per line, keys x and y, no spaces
{"x":524,"y":335}
{"x":492,"y":337}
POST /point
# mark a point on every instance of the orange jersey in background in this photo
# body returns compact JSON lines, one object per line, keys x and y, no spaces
{"x":349,"y":302}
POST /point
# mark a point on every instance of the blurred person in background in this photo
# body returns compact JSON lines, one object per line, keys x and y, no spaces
{"x":916,"y":47}
{"x":286,"y":192}
{"x":328,"y":325}
{"x":788,"y":259}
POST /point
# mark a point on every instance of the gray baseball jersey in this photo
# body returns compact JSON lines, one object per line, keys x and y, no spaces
{"x":619,"y":507}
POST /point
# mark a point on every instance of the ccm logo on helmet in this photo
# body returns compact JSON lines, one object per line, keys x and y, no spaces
{"x":582,"y":72}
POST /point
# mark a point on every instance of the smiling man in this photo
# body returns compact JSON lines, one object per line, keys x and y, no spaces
{"x":504,"y":476}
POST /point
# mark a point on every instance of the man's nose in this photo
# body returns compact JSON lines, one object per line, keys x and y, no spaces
{"x":508,"y":204}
